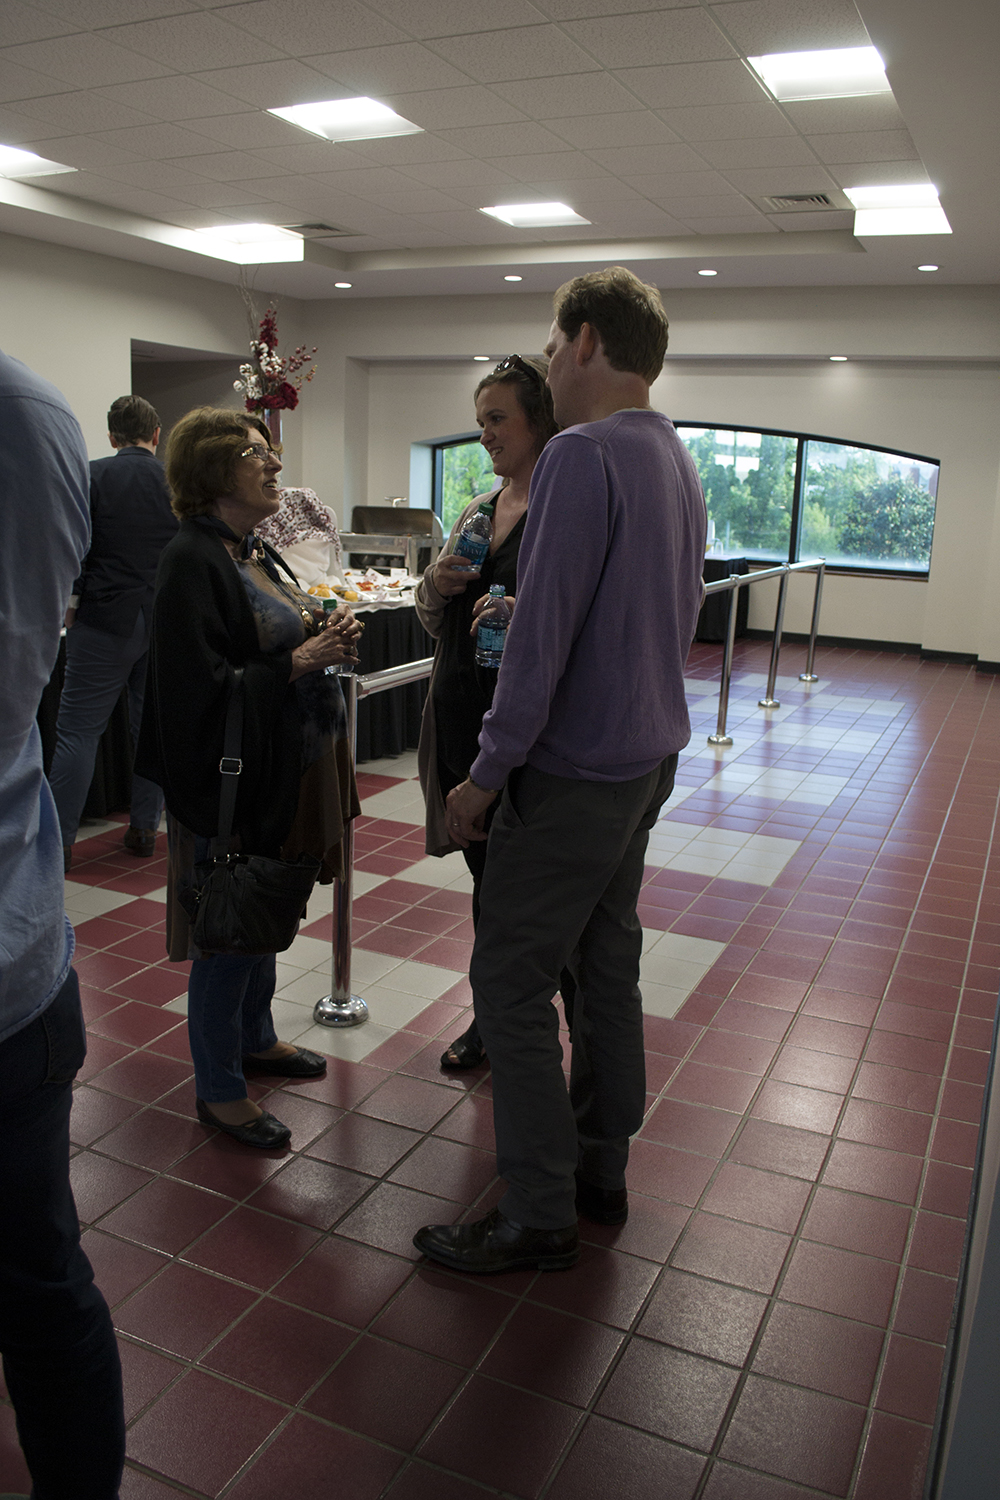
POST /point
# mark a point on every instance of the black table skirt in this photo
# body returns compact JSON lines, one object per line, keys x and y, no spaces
{"x":388,"y":723}
{"x":713,"y":621}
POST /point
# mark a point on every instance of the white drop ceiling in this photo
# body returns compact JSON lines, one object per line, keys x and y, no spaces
{"x":645,"y":118}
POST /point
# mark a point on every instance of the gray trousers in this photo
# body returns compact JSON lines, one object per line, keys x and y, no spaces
{"x":562,"y":879}
{"x":98,"y":666}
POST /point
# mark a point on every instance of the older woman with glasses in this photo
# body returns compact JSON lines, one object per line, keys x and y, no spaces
{"x":225,"y":602}
{"x":514,"y":410}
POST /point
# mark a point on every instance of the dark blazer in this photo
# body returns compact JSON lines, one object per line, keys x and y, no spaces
{"x":203,"y":627}
{"x":131,"y":523}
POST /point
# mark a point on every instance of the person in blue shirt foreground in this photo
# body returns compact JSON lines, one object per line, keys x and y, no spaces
{"x":60,"y":1358}
{"x":587,"y":721}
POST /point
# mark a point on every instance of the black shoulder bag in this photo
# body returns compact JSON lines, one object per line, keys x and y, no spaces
{"x":242,"y":903}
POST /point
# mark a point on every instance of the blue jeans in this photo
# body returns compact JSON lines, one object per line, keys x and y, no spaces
{"x":98,"y":666}
{"x":60,"y":1357}
{"x":229,"y":1015}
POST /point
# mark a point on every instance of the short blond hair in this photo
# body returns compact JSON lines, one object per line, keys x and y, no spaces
{"x":201,"y":457}
{"x":626,"y":314}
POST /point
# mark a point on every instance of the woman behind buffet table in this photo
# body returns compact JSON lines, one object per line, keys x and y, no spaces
{"x":514,"y":410}
{"x":224,"y":601}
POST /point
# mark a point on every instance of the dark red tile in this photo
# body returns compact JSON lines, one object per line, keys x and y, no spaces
{"x":419,"y":1481}
{"x":937,"y":1243}
{"x":471,"y":1123}
{"x":119,"y":1267}
{"x":278,"y":1350}
{"x":453,"y":1317}
{"x":139,"y":1486}
{"x":145,"y":1076}
{"x":813,"y":1070}
{"x":221,"y":1426}
{"x":763,"y":1198}
{"x":136,"y":1023}
{"x":838,"y":1005}
{"x":720,"y":1088}
{"x":895,"y":1458}
{"x":94,"y":1114}
{"x":703,"y":1317}
{"x":652,"y":1230}
{"x":252,"y":1247}
{"x":99,"y":1184}
{"x":391,"y":1215}
{"x":610,"y":1459}
{"x":899,"y":1086}
{"x":668,"y":1392}
{"x":167,"y":1215}
{"x":726,"y":1049}
{"x":869,"y":1169}
{"x":727,"y":1483}
{"x":946,"y":1188}
{"x":552,"y":1354}
{"x":182,"y":1311}
{"x":803,"y":1346}
{"x":910,"y":1383}
{"x":411,"y":1102}
{"x":663,"y":1172}
{"x":343,"y":1085}
{"x":962,"y":1101}
{"x":780,"y":1148}
{"x":398,"y":942}
{"x":344,"y":1280}
{"x":144,"y":1376}
{"x":850,"y":1221}
{"x":797,"y":1434}
{"x":690,"y":1127}
{"x":752,"y":1020}
{"x":840,"y":1282}
{"x":798,"y":1108}
{"x":311,"y":1192}
{"x":955,"y":1141}
{"x":106,"y":969}
{"x":154,"y":986}
{"x":224,"y":1166}
{"x":493,"y":1411}
{"x":885,"y":1126}
{"x":448,"y":1169}
{"x":740,"y":1254}
{"x":306,"y":1453}
{"x":605,"y":1285}
{"x":153,"y":1138}
{"x":779,"y":994}
{"x":364,"y":1144}
{"x":101,"y":1053}
{"x":925,"y":1306}
{"x":449,"y":953}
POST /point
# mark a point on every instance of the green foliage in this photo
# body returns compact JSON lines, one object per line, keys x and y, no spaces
{"x":893,"y":522}
{"x":753,"y":514}
{"x":467,"y":472}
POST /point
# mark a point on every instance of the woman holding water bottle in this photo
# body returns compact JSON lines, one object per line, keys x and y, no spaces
{"x":514,"y":411}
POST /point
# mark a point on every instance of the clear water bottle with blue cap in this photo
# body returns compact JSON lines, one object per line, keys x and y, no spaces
{"x":474,"y":538}
{"x":492,"y":632}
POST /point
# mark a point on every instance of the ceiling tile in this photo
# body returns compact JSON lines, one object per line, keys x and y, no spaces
{"x":451,"y":109}
{"x":157,"y":142}
{"x":822,"y":219}
{"x":474,"y":228}
{"x":274,"y":84}
{"x":635,"y":219}
{"x":547,"y":165}
{"x":87,"y":14}
{"x":200,"y":38}
{"x":230,"y":166}
{"x":405,"y":150}
{"x":692,"y":84}
{"x":760,"y":26}
{"x":379,"y":70}
{"x":302,"y":27}
{"x":628,"y":161}
{"x":517,"y":53}
{"x":717,"y":206}
{"x":247,"y":130}
{"x":81,"y":111}
{"x":761,"y":182}
{"x":19,"y":129}
{"x":432,"y":18}
{"x":86,"y":56}
{"x":774,"y":151}
{"x":457,"y":176}
{"x":157,"y":177}
{"x":599,"y":190}
{"x":750,"y":224}
{"x":505,"y":140}
{"x":721,"y":122}
{"x":416,"y":200}
{"x":575,"y":10}
{"x":18,"y":83}
{"x":570,"y":95}
{"x":25,"y":23}
{"x":173,"y":98}
{"x":877,"y":173}
{"x":672,"y":36}
{"x":216,"y":194}
{"x":368,"y":182}
{"x":665,"y":185}
{"x":876,"y":145}
{"x":87,"y":154}
{"x":637,"y":128}
{"x":309,"y":156}
{"x":828,"y":116}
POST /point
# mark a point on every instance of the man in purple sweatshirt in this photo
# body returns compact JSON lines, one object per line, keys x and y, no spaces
{"x":583,"y":737}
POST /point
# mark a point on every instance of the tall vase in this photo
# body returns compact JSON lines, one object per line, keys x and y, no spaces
{"x":273,"y":419}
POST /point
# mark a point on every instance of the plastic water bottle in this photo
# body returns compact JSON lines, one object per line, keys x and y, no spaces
{"x":473,"y":541}
{"x":492,"y":632}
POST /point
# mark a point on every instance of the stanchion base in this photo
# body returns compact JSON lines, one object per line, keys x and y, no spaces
{"x":719,"y":739}
{"x":331,"y":1012}
{"x":808,"y":677}
{"x":768,"y":703}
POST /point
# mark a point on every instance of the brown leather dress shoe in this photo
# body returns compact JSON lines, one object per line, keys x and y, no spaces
{"x":497,"y":1244}
{"x":140,"y":841}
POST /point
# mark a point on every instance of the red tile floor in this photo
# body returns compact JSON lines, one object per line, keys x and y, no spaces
{"x":823,"y":933}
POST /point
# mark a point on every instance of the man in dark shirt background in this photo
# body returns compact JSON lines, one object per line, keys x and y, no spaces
{"x":108,"y":620}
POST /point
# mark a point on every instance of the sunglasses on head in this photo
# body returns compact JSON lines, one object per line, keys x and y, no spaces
{"x":515,"y":362}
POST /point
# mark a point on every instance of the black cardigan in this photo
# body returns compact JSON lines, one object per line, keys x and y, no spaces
{"x":203,"y":628}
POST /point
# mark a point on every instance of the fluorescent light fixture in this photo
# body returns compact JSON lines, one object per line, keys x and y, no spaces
{"x":909,"y":208}
{"x":360,"y":119}
{"x":838,"y":359}
{"x":928,"y":268}
{"x":250,"y":244}
{"x":345,"y":286}
{"x":840,"y":73}
{"x":534,"y":215}
{"x":17,"y":163}
{"x":481,"y":359}
{"x":513,"y":278}
{"x":708,"y":273}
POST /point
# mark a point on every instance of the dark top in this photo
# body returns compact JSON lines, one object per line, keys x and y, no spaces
{"x":463,"y":692}
{"x":203,"y":628}
{"x":131,"y":523}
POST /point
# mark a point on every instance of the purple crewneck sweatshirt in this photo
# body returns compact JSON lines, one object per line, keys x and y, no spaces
{"x":591,"y":685}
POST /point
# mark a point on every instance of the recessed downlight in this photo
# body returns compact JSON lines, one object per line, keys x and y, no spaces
{"x":360,"y":119}
{"x":345,"y":286}
{"x":513,"y":278}
{"x":928,"y":268}
{"x":481,"y":359}
{"x":708,"y":273}
{"x":839,"y":359}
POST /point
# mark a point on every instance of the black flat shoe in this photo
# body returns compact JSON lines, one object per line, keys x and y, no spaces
{"x":463,"y":1054}
{"x":601,"y":1205}
{"x":265,"y":1132}
{"x":298,"y":1064}
{"x":497,"y":1244}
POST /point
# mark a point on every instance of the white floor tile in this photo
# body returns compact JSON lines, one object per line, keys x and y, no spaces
{"x":695,"y":949}
{"x":393,"y":1008}
{"x":421,"y":979}
{"x":404,"y":765}
{"x":677,"y":973}
{"x":307,"y":989}
{"x":441,"y":872}
{"x":661,"y":999}
{"x":369,"y":968}
{"x":84,"y":901}
{"x":350,"y":1042}
{"x":308,"y":953}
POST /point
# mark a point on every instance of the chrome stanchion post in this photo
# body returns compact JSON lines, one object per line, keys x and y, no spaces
{"x":720,"y":737}
{"x":771,"y":701}
{"x":809,"y":675}
{"x":341,"y":1008}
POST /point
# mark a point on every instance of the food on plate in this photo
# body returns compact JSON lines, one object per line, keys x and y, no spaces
{"x":321,"y":591}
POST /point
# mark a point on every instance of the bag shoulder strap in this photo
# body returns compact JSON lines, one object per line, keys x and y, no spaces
{"x":230,"y":767}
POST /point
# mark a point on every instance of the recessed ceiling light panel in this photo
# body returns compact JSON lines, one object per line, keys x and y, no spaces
{"x":249,"y":244}
{"x":359,"y":119}
{"x":909,"y":208}
{"x":839,"y":73}
{"x":17,"y":163}
{"x":534,"y":215}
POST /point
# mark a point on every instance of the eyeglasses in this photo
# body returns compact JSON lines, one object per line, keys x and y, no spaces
{"x":515,"y":362}
{"x":257,"y":450}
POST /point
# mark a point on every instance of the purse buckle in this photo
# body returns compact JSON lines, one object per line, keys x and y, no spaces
{"x":230,"y":765}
